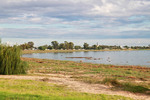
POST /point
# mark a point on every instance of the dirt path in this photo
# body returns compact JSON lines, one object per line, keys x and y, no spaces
{"x":79,"y":86}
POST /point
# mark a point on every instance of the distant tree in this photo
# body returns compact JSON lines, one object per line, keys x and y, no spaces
{"x":99,"y":47}
{"x":66,"y":45}
{"x":94,"y":47}
{"x":30,"y":44}
{"x":24,"y":46}
{"x":133,"y":47}
{"x":49,"y":47}
{"x":119,"y":47}
{"x":44,"y":47}
{"x":61,"y":46}
{"x":86,"y":46}
{"x":71,"y":45}
{"x":77,"y":47}
{"x":126,"y":47}
{"x":55,"y":44}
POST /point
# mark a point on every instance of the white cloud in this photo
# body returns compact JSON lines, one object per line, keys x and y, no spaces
{"x":104,"y":18}
{"x":77,"y":8}
{"x":121,"y":7}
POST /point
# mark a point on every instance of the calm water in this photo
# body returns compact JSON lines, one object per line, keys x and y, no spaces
{"x":141,"y":57}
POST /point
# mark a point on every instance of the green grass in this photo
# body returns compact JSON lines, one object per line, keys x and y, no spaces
{"x":36,"y":90}
{"x":13,"y":96}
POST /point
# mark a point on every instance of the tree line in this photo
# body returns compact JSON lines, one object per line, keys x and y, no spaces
{"x":70,"y":46}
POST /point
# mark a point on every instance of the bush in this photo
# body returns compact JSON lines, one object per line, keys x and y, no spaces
{"x":10,"y":62}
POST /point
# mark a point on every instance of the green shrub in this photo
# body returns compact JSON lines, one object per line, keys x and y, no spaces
{"x":10,"y":62}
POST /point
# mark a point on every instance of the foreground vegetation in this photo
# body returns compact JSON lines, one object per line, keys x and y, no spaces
{"x":37,"y":90}
{"x":10,"y":62}
{"x":120,"y":77}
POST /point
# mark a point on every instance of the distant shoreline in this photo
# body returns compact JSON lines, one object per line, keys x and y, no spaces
{"x":51,"y":51}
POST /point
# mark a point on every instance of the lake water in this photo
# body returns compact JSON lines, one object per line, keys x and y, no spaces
{"x":137,"y":57}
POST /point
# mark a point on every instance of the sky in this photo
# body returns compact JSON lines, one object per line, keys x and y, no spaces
{"x":61,"y":20}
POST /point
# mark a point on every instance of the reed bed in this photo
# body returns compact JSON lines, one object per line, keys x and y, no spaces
{"x":10,"y":62}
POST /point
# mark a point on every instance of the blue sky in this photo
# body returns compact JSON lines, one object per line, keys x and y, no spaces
{"x":75,"y":19}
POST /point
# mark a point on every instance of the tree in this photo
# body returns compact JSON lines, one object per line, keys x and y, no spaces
{"x":126,"y":47}
{"x":71,"y":45}
{"x":49,"y":47}
{"x":55,"y":44}
{"x":77,"y":47}
{"x":94,"y":47}
{"x":86,"y":46}
{"x":42,"y":47}
{"x":61,"y":46}
{"x":24,"y":46}
{"x":99,"y":47}
{"x":30,"y":44}
{"x":66,"y":45}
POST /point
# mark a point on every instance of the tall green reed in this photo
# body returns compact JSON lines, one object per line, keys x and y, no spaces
{"x":10,"y":62}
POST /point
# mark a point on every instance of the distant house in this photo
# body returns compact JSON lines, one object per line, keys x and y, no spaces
{"x":122,"y":47}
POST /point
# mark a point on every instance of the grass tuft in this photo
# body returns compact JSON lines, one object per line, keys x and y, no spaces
{"x":110,"y":81}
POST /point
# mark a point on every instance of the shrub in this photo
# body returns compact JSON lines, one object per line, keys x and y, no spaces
{"x":10,"y":62}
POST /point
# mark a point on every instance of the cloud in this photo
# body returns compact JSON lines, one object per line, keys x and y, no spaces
{"x":75,"y":18}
